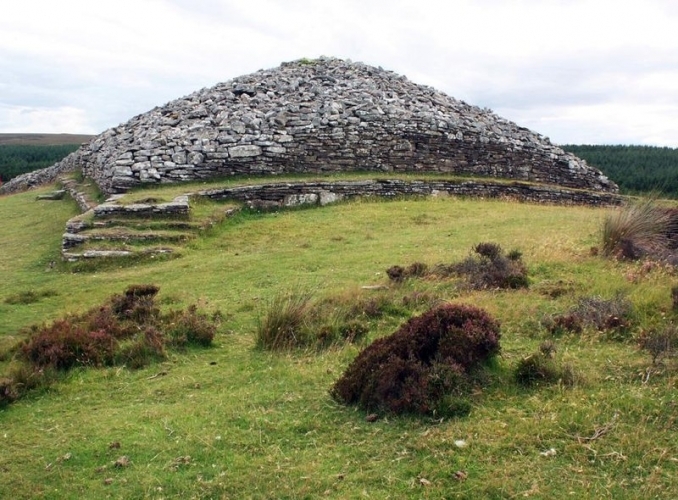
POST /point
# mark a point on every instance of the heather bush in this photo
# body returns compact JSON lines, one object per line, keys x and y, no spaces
{"x":396,"y":273}
{"x":605,"y":315}
{"x":489,"y":268}
{"x":66,"y":343}
{"x":423,"y":364}
{"x":126,"y":330}
{"x":136,"y":304}
{"x":414,"y":270}
{"x":488,"y":250}
{"x":189,"y":328}
{"x":659,"y":343}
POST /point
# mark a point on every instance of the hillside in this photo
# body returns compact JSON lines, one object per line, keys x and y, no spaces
{"x":233,"y":421}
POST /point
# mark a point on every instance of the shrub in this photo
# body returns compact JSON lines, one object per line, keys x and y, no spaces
{"x":143,"y":349}
{"x":66,"y":344}
{"x":636,"y":230}
{"x":488,"y":250}
{"x":127,"y":329}
{"x":541,"y":367}
{"x":536,"y":368}
{"x":93,"y":338}
{"x":189,"y":327}
{"x":492,"y":269}
{"x":414,"y":270}
{"x":396,"y":273}
{"x":136,"y":304}
{"x":604,"y":315}
{"x":563,"y":323}
{"x":660,"y":343}
{"x":425,"y":361}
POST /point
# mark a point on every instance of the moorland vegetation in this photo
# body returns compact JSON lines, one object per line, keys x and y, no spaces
{"x":287,"y":353}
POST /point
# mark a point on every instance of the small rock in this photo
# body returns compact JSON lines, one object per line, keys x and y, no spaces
{"x":372,"y":417}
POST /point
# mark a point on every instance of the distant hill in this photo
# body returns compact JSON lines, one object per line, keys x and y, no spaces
{"x":43,"y":139}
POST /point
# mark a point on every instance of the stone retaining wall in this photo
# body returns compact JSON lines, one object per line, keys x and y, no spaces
{"x":300,"y":193}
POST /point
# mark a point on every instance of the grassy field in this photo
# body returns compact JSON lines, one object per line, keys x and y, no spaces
{"x":235,"y":422}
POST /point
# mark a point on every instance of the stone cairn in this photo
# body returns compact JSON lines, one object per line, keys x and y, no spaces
{"x":305,"y":117}
{"x":318,"y":116}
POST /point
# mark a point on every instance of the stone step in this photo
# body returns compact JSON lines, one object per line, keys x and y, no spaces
{"x":177,"y":208}
{"x":71,"y":240}
{"x":108,"y":254}
{"x":78,"y":225}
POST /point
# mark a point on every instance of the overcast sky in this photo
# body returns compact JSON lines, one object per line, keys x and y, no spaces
{"x":577,"y":71}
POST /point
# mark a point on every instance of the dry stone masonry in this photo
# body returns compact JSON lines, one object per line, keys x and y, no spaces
{"x":321,"y":116}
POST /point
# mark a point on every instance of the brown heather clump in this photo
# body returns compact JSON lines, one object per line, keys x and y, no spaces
{"x":424,"y":366}
{"x":126,"y":330}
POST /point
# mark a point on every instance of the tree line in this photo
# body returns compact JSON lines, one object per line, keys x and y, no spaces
{"x":635,"y":169}
{"x":20,"y":159}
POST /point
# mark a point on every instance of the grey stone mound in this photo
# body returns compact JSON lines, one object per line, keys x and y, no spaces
{"x":322,"y":116}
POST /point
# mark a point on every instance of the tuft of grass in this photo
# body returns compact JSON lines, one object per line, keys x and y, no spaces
{"x":294,"y":320}
{"x":637,"y":229}
{"x":284,"y":324}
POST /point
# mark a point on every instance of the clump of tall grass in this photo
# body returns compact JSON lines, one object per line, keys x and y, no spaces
{"x":636,"y":230}
{"x":285,"y":323}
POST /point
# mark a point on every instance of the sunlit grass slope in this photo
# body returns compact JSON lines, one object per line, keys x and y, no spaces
{"x":235,"y":422}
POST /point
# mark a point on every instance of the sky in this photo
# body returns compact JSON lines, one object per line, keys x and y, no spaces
{"x":576,"y":71}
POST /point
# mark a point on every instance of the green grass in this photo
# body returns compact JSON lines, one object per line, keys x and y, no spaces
{"x":257,"y":424}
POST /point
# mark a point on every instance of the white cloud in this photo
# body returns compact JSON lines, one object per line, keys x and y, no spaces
{"x":544,"y":60}
{"x":64,"y":119}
